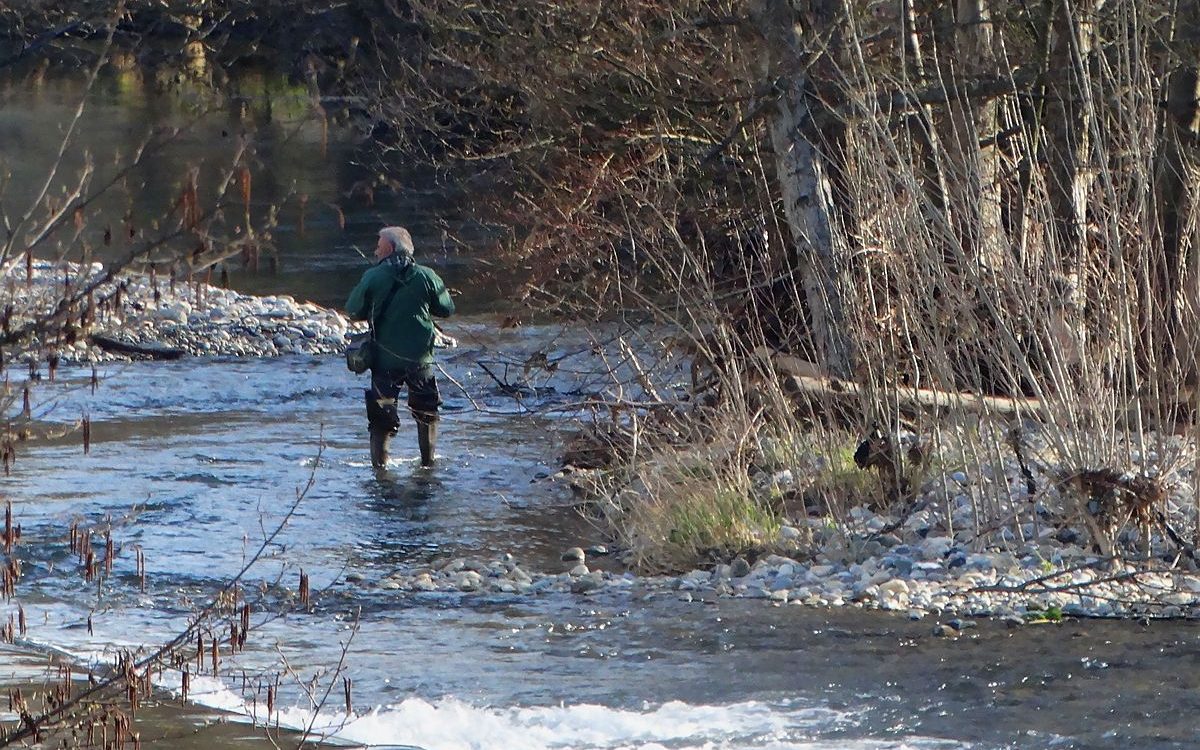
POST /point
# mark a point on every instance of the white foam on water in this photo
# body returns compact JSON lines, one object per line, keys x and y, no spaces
{"x":452,"y":724}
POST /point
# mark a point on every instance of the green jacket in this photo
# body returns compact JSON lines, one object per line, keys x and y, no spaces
{"x":404,"y":330}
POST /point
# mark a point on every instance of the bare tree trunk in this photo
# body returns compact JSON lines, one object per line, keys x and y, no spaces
{"x":921,"y":125}
{"x":1071,"y":123}
{"x":803,"y":171}
{"x":978,"y":211}
{"x":1179,"y":277}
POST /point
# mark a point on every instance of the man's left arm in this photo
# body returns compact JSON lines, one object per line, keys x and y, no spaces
{"x":358,"y":305}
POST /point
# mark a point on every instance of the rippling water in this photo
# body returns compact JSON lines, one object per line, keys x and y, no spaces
{"x":195,"y":462}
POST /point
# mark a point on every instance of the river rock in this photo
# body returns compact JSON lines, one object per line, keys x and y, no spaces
{"x":574,"y":554}
{"x":587,"y":582}
{"x":944,"y":630}
{"x":519,"y":575}
{"x":468,"y":581}
{"x":789,"y":533}
{"x":893,"y":587}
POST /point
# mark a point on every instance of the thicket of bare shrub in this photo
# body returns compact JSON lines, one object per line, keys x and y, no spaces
{"x":930,"y":203}
{"x":56,"y":227}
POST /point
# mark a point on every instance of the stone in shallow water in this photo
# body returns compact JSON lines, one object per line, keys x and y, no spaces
{"x":519,"y":575}
{"x":586,"y":583}
{"x":468,"y":581}
{"x":697,"y":577}
{"x":575,"y":554}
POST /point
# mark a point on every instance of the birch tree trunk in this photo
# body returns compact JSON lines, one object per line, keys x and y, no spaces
{"x":923,"y":131}
{"x":978,"y":213}
{"x":803,"y":171}
{"x":1071,"y":125}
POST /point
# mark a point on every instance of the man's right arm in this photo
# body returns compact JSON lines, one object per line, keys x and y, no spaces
{"x":440,"y":304}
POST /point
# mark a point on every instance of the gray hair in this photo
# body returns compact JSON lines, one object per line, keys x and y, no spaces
{"x":400,"y":238}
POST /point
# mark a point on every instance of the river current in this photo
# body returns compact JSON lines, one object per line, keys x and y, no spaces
{"x":196,"y":462}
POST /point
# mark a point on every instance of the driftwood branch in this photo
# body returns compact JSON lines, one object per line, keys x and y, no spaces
{"x":149,"y":349}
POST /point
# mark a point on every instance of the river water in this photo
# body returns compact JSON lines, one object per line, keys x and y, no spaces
{"x":196,"y":462}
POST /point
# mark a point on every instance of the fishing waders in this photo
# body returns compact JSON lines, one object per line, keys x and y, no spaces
{"x":382,"y":423}
{"x":426,"y":440}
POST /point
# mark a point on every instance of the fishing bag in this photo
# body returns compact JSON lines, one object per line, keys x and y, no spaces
{"x":360,"y":351}
{"x":360,"y":347}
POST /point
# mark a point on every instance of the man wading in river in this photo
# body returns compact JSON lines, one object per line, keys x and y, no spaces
{"x":406,"y":295}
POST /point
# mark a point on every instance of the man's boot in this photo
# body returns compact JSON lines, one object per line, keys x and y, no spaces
{"x":427,"y":439}
{"x":379,"y":447}
{"x":382,"y":422}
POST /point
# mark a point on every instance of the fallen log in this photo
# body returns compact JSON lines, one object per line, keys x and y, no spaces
{"x":844,"y":395}
{"x":801,"y":378}
{"x":149,"y":349}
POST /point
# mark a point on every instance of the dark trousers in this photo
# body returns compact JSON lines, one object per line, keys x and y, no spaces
{"x":423,"y":396}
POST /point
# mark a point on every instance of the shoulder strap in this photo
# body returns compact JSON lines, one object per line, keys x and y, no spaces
{"x":386,"y":301}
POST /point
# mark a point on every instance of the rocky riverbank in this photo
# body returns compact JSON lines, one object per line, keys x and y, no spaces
{"x":937,"y":579}
{"x":146,"y":316}
{"x":1022,"y":555}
